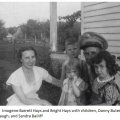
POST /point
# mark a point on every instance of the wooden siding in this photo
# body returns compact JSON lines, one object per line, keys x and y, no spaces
{"x":104,"y":18}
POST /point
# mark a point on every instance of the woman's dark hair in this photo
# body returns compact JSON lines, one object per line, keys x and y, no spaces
{"x":26,"y":48}
{"x":110,"y":61}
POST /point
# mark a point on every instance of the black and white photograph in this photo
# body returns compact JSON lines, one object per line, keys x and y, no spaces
{"x":60,"y":54}
{"x":39,"y":31}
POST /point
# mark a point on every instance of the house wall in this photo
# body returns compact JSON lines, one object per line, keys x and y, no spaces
{"x":104,"y":18}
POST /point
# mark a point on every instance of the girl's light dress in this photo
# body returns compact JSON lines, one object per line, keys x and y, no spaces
{"x":68,"y":97}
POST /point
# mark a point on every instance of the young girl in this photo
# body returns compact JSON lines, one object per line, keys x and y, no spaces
{"x":73,"y":86}
{"x":105,"y":89}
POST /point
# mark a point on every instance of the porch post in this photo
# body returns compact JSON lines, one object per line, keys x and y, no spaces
{"x":53,"y":26}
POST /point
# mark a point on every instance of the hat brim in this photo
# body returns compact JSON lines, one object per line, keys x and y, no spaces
{"x":93,"y":42}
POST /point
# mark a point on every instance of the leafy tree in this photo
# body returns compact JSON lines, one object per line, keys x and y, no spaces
{"x":36,"y":29}
{"x":3,"y":31}
{"x":32,"y":28}
{"x":69,"y":26}
{"x":71,"y":19}
{"x":18,"y":35}
{"x":45,"y":28}
{"x":12,"y":30}
{"x":24,"y":30}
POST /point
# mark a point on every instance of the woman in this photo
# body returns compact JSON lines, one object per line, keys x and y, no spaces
{"x":105,"y":89}
{"x":27,"y":80}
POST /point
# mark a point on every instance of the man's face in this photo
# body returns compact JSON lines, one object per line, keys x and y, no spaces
{"x":90,"y":52}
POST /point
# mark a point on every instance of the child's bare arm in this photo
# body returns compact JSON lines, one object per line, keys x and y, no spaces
{"x":79,"y":87}
{"x":76,"y":89}
{"x":63,"y":72}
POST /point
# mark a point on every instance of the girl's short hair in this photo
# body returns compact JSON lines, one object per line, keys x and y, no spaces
{"x":26,"y":48}
{"x":76,"y":66}
{"x":110,"y":61}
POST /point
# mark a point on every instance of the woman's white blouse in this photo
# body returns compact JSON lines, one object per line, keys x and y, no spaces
{"x":17,"y":78}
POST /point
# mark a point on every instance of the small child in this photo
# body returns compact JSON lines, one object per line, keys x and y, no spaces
{"x":72,"y":51}
{"x":73,"y":86}
{"x":105,"y":90}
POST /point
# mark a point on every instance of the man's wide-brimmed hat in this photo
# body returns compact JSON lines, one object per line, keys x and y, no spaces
{"x":92,"y":39}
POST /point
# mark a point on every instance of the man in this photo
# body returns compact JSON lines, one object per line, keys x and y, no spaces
{"x":91,"y":43}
